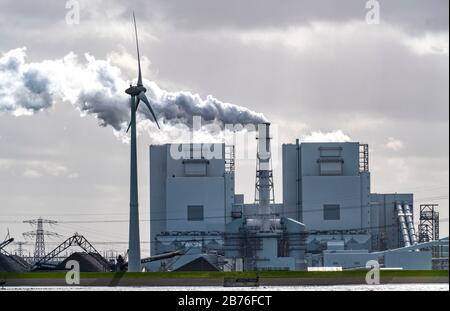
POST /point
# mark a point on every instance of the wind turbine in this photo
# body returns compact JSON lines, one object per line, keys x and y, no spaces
{"x":137,"y":94}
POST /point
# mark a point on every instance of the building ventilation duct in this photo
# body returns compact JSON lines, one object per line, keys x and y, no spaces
{"x":403,"y":227}
{"x":410,"y":222}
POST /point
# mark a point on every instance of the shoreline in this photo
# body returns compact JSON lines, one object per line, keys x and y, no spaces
{"x":199,"y":279}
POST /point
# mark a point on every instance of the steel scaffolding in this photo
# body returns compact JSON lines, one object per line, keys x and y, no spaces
{"x":429,"y":223}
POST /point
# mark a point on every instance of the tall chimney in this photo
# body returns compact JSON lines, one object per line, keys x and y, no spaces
{"x":264,"y":174}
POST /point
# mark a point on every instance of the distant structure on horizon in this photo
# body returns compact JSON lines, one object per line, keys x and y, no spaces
{"x":39,"y":234}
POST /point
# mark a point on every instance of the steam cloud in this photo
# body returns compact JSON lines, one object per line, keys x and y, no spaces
{"x":96,"y":87}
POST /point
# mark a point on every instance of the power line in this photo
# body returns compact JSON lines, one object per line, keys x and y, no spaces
{"x":314,"y":210}
{"x":340,"y":197}
{"x":112,"y":221}
{"x":201,"y":235}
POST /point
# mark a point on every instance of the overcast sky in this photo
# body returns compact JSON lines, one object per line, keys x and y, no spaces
{"x":313,"y":68}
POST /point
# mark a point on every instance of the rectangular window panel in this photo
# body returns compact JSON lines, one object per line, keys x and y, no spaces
{"x":330,"y":151}
{"x":331,"y":212}
{"x":195,"y":169}
{"x":331,"y":168}
{"x":195,"y":212}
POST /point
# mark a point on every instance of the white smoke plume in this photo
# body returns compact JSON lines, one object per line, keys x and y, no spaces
{"x":329,"y":137}
{"x":97,"y":87}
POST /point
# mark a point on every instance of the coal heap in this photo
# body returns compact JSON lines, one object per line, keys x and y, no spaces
{"x":12,"y":263}
{"x":88,"y":262}
{"x":199,"y":264}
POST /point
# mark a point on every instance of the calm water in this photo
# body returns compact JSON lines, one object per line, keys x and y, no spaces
{"x":384,"y":287}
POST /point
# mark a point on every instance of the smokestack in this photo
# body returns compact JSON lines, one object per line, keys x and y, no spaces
{"x":264,"y":174}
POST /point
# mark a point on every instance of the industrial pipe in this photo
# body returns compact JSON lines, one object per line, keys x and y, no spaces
{"x":410,"y":223}
{"x":403,"y":228}
{"x":163,"y":256}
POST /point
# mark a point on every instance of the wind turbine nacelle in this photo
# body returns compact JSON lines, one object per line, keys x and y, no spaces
{"x":135,"y":90}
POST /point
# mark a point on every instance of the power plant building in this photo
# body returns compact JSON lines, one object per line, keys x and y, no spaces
{"x":328,"y":218}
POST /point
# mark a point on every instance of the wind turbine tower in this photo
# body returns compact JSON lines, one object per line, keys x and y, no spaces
{"x":137,"y":94}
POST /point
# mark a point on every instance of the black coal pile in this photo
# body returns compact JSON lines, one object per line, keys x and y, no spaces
{"x":88,"y":262}
{"x":12,"y":263}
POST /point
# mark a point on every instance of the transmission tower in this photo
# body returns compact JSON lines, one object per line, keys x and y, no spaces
{"x":19,"y":250}
{"x":39,"y":234}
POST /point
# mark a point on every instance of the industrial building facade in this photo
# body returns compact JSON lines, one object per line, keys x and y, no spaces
{"x":328,"y":217}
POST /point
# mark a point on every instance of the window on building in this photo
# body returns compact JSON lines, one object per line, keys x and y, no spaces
{"x":195,"y":167}
{"x":331,"y":212}
{"x":330,"y":151}
{"x":195,"y":212}
{"x":331,"y":167}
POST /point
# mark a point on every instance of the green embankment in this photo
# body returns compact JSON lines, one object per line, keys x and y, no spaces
{"x":222,"y":275}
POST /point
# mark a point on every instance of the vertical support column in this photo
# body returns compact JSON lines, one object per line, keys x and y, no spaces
{"x":134,"y":247}
{"x":299,"y":195}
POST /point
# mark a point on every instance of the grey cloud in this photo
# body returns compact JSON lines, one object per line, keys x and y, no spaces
{"x":414,"y":15}
{"x":196,"y":14}
{"x":368,"y":71}
{"x":36,"y":95}
{"x":22,"y":88}
{"x":34,"y":20}
{"x":110,"y":111}
{"x":11,"y":64}
{"x":106,"y":79}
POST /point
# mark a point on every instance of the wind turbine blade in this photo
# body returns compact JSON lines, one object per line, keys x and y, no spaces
{"x":142,"y":97}
{"x":137,"y":106}
{"x":137,"y":103}
{"x":138,"y":54}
